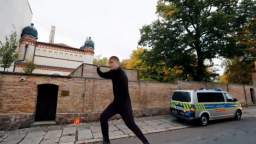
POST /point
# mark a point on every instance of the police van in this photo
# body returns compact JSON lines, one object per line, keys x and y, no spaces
{"x":204,"y":105}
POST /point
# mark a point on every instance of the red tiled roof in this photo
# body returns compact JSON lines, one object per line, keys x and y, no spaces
{"x":62,"y":46}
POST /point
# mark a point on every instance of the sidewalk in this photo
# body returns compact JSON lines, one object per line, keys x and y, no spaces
{"x":249,"y":111}
{"x":87,"y":132}
{"x":91,"y":132}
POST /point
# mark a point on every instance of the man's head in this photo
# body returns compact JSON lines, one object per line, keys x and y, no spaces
{"x":114,"y":62}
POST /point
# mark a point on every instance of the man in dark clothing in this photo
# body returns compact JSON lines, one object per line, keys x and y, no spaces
{"x":121,"y":103}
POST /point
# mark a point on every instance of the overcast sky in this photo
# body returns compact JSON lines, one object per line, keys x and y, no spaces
{"x":113,"y":24}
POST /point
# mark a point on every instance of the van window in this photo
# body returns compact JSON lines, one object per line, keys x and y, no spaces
{"x":181,"y":96}
{"x":228,"y":97}
{"x":210,"y":97}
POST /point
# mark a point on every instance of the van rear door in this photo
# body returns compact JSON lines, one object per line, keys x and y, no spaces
{"x":181,"y":100}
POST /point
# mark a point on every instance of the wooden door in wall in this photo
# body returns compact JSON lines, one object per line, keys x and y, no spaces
{"x":47,"y":96}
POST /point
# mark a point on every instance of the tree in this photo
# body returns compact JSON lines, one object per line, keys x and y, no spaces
{"x":135,"y":60}
{"x":100,"y":61}
{"x":150,"y":72}
{"x":238,"y":71}
{"x":247,"y":39}
{"x":191,"y":33}
{"x":29,"y":67}
{"x":7,"y":51}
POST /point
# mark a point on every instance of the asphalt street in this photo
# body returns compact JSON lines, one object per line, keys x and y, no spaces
{"x":217,"y":132}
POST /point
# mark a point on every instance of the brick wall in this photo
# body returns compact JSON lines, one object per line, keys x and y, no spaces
{"x":87,"y":97}
{"x":89,"y":71}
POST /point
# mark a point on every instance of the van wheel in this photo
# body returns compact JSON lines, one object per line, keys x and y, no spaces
{"x":204,"y":120}
{"x":238,"y":115}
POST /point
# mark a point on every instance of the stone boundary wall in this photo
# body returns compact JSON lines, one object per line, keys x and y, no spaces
{"x":87,"y":97}
{"x":89,"y":71}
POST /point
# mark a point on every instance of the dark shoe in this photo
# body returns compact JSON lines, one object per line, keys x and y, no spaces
{"x":105,"y":142}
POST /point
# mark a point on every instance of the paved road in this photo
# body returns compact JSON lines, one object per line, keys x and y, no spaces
{"x":219,"y":132}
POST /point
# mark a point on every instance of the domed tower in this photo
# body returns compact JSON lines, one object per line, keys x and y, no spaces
{"x":88,"y":49}
{"x":29,"y":36}
{"x":29,"y":31}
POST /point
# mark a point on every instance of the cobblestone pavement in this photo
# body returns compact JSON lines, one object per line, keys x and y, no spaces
{"x":86,"y":132}
{"x":91,"y":133}
{"x":249,"y":111}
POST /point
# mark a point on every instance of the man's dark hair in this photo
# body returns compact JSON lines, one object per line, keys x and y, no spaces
{"x":114,"y":58}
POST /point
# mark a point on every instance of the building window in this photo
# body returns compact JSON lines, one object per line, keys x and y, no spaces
{"x":25,"y":52}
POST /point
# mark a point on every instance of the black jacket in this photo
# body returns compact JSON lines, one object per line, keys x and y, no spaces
{"x":120,"y":84}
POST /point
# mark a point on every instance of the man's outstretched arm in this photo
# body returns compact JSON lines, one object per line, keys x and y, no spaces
{"x":106,"y":75}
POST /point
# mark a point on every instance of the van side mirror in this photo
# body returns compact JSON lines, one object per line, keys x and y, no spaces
{"x":235,"y":100}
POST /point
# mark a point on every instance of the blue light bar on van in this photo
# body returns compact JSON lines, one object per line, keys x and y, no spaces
{"x":215,"y":89}
{"x":218,"y":89}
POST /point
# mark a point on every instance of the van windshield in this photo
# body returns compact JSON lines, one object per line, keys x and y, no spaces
{"x":181,"y":96}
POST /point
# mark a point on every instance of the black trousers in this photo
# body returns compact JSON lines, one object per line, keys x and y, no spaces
{"x":125,"y":110}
